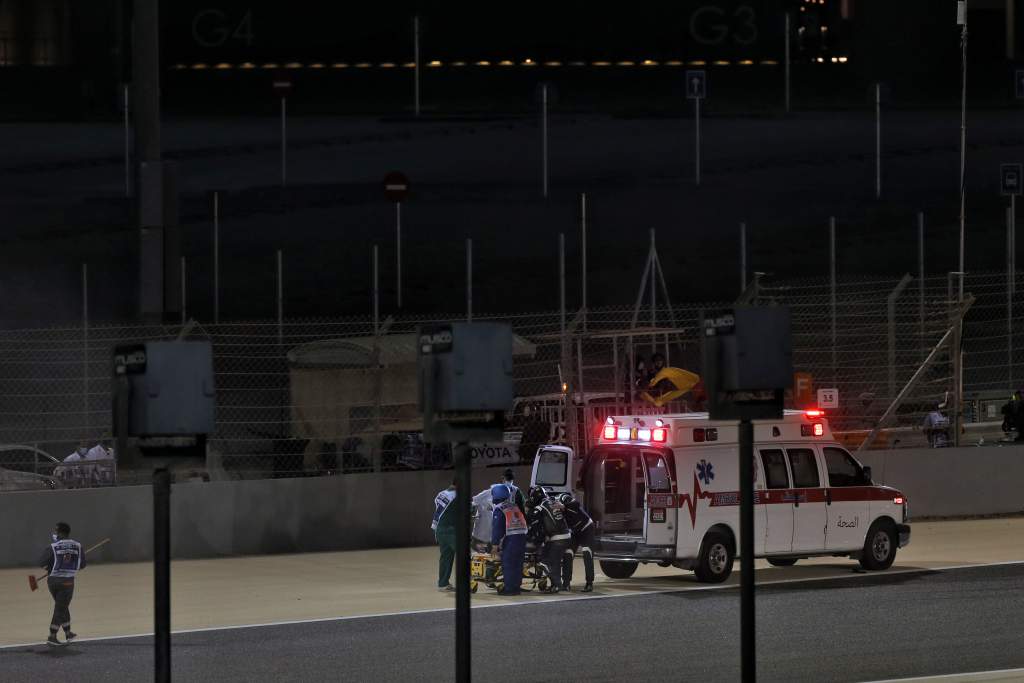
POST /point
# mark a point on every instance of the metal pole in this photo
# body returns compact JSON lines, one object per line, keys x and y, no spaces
{"x":696,"y":154}
{"x":832,"y":289}
{"x":416,"y":63}
{"x":878,"y":140}
{"x":561,"y":292}
{"x":583,"y":254}
{"x":398,"y":254}
{"x":747,"y":630}
{"x":469,"y":280}
{"x":184,"y":313}
{"x":161,"y":573}
{"x":962,"y":18}
{"x":85,"y":345}
{"x":284,"y":141}
{"x":216,"y":257}
{"x":1011,"y":28}
{"x":1010,"y":293}
{"x":463,"y":658}
{"x":786,"y":67}
{"x":743,"y":257}
{"x":280,"y":303}
{"x":544,"y":136}
{"x":654,"y":298}
{"x":920,"y":278}
{"x":891,"y":317}
{"x":376,"y":293}
{"x":127,"y":145}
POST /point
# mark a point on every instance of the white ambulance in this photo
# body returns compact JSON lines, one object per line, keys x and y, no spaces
{"x":665,"y":489}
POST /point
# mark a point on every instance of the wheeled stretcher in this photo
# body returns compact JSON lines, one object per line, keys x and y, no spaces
{"x":485,"y":569}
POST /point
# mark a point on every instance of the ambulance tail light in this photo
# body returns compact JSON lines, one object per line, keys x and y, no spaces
{"x":898,"y":500}
{"x":815,"y":429}
{"x":659,"y":435}
{"x":609,"y":433}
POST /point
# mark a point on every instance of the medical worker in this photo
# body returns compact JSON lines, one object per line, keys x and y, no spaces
{"x":508,"y":533}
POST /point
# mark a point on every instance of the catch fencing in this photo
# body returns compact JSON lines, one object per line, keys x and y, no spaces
{"x":315,"y":397}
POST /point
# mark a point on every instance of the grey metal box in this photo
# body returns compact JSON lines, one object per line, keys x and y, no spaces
{"x":466,"y":368}
{"x":759,"y":355}
{"x":172,"y":387}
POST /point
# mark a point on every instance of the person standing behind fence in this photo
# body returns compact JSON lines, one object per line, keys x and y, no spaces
{"x":63,"y":559}
{"x":444,"y":532}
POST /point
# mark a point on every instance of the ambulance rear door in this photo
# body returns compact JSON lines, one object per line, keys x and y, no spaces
{"x":660,"y":508}
{"x":552,"y":469}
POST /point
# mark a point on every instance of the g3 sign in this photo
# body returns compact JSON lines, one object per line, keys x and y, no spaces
{"x":212,"y":27}
{"x":715,"y":25}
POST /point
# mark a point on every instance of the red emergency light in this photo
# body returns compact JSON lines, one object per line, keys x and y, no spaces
{"x":814,"y":412}
{"x":609,"y":432}
{"x":659,"y":435}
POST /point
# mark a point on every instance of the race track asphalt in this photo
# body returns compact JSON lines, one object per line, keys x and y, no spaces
{"x":864,"y":627}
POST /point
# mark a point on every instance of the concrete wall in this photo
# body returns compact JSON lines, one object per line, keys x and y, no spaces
{"x":236,"y":518}
{"x":382,"y":510}
{"x":947,"y":482}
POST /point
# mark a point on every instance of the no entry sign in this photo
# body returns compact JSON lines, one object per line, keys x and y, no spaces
{"x":396,"y":186}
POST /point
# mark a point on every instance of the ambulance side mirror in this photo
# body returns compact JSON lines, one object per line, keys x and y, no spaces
{"x":867,"y":475}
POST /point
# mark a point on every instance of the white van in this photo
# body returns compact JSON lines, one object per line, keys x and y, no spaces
{"x":666,"y":490}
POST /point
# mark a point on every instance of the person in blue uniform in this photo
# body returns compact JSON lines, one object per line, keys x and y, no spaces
{"x":62,"y":559}
{"x":508,"y":533}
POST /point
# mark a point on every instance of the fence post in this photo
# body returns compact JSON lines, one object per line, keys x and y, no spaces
{"x":85,"y":345}
{"x":832,"y":284}
{"x":1009,"y":295}
{"x":184,"y":292}
{"x":378,"y":389}
{"x":891,"y":308}
{"x":216,"y":257}
{"x":561,"y":296}
{"x":583,"y":254}
{"x":743,"y":257}
{"x":469,"y":279}
{"x":920,"y":276}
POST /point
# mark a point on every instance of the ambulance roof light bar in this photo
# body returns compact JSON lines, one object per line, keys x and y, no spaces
{"x":814,"y":412}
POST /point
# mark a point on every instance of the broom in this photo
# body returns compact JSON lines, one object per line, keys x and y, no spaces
{"x":33,"y":581}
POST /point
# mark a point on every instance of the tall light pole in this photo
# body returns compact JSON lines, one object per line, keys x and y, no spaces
{"x":961,"y":19}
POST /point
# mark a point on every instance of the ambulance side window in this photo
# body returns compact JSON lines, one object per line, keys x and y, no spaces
{"x":805,"y":468}
{"x":657,"y":473}
{"x":775,"y":474}
{"x":843,"y":470}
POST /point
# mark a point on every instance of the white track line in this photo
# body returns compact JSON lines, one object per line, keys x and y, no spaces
{"x":658,"y":591}
{"x":971,"y":675}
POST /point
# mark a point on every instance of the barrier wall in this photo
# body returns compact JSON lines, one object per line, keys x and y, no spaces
{"x":394,"y":509}
{"x":214,"y":519}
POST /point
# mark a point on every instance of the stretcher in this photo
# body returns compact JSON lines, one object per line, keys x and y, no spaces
{"x":486,"y":569}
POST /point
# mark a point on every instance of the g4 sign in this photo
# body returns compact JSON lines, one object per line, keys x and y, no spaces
{"x":212,"y":27}
{"x":715,"y":25}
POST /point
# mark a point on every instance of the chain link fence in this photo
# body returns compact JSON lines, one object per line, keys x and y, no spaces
{"x":313,"y":397}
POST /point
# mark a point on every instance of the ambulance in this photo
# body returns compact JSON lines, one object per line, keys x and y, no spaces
{"x":665,"y":490}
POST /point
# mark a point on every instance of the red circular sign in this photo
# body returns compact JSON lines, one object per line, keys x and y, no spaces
{"x":396,"y":186}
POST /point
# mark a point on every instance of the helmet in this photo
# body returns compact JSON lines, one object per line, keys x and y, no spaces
{"x":569,"y":501}
{"x":537,"y":494}
{"x":500,"y":493}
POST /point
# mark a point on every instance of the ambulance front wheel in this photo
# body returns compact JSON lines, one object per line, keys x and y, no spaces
{"x":879,"y":546}
{"x":714,"y":564}
{"x":618,"y":570}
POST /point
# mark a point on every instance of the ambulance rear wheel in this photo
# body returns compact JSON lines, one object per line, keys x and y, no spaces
{"x":782,"y":561}
{"x":618,"y":570}
{"x":879,"y":546}
{"x":714,"y":564}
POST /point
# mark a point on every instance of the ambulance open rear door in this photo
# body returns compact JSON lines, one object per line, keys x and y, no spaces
{"x":660,"y":509}
{"x":552,"y":469}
